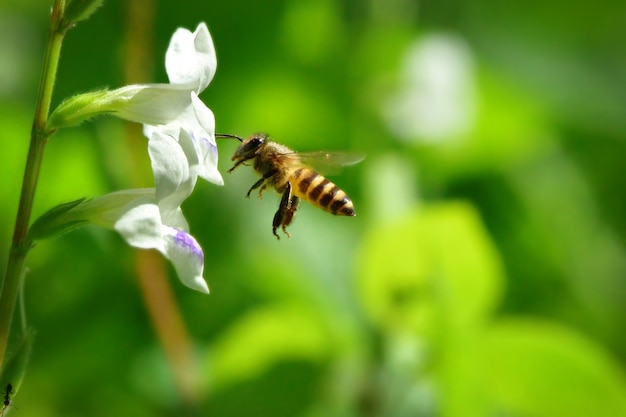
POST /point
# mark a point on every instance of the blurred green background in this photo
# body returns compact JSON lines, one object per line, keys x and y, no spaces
{"x":485,"y":272}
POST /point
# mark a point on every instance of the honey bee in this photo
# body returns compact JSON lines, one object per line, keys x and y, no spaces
{"x":291,"y":175}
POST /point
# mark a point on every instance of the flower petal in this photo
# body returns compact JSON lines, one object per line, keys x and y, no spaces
{"x":188,"y":147}
{"x":152,"y":104}
{"x":190,"y":58}
{"x":175,"y":219}
{"x":187,"y":257}
{"x":173,"y":179}
{"x":204,"y":139}
{"x":141,"y":227}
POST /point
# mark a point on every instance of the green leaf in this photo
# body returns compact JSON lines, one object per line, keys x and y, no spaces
{"x":264,"y":338}
{"x":537,"y":369}
{"x":436,"y":273}
{"x":434,"y":267}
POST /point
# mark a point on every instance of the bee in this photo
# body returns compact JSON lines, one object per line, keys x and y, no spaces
{"x":291,"y":175}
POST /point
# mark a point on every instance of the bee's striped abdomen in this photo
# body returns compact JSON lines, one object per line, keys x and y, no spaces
{"x":319,"y":191}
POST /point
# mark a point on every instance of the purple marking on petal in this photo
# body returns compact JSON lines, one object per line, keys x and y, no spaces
{"x":186,"y":241}
{"x":209,"y":144}
{"x":212,"y":146}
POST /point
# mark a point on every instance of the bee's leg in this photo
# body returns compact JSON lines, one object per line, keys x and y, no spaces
{"x":241,"y":161}
{"x":261,"y":181}
{"x":256,"y":185}
{"x":290,"y":213}
{"x":283,"y":212}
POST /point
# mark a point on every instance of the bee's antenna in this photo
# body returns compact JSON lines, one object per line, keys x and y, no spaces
{"x":228,"y":136}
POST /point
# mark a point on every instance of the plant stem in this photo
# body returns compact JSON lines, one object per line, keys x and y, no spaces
{"x":20,"y":244}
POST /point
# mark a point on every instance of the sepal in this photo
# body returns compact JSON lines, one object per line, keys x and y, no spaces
{"x":76,"y":109}
{"x":56,"y":221}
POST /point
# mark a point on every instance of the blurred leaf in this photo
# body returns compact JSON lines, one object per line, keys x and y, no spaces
{"x":264,"y":338}
{"x":465,"y":265}
{"x":434,"y":261}
{"x":538,"y":369}
{"x":437,"y":273}
{"x":392,"y":275}
{"x":562,"y":213}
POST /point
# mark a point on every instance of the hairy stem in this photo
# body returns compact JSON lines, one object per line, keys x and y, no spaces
{"x":20,"y":244}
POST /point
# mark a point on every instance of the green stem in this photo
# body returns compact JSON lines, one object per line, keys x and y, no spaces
{"x":21,"y":244}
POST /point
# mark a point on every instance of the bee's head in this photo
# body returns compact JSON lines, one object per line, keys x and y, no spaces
{"x":250,"y":147}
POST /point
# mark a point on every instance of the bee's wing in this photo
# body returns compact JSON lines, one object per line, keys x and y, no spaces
{"x":326,"y":162}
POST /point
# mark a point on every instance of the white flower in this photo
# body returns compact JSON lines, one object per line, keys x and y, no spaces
{"x":145,"y":223}
{"x":158,"y":223}
{"x":190,"y":63}
{"x":181,"y":144}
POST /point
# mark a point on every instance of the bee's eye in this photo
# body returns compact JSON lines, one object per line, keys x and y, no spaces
{"x":249,"y":148}
{"x":253,"y":144}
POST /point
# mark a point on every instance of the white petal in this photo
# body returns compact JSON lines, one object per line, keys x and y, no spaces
{"x":172,"y":177}
{"x":188,"y":147}
{"x":190,"y":58}
{"x":141,"y":227}
{"x":203,"y":115}
{"x":205,"y":142}
{"x":186,"y":255}
{"x":175,"y":219}
{"x":152,"y":104}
